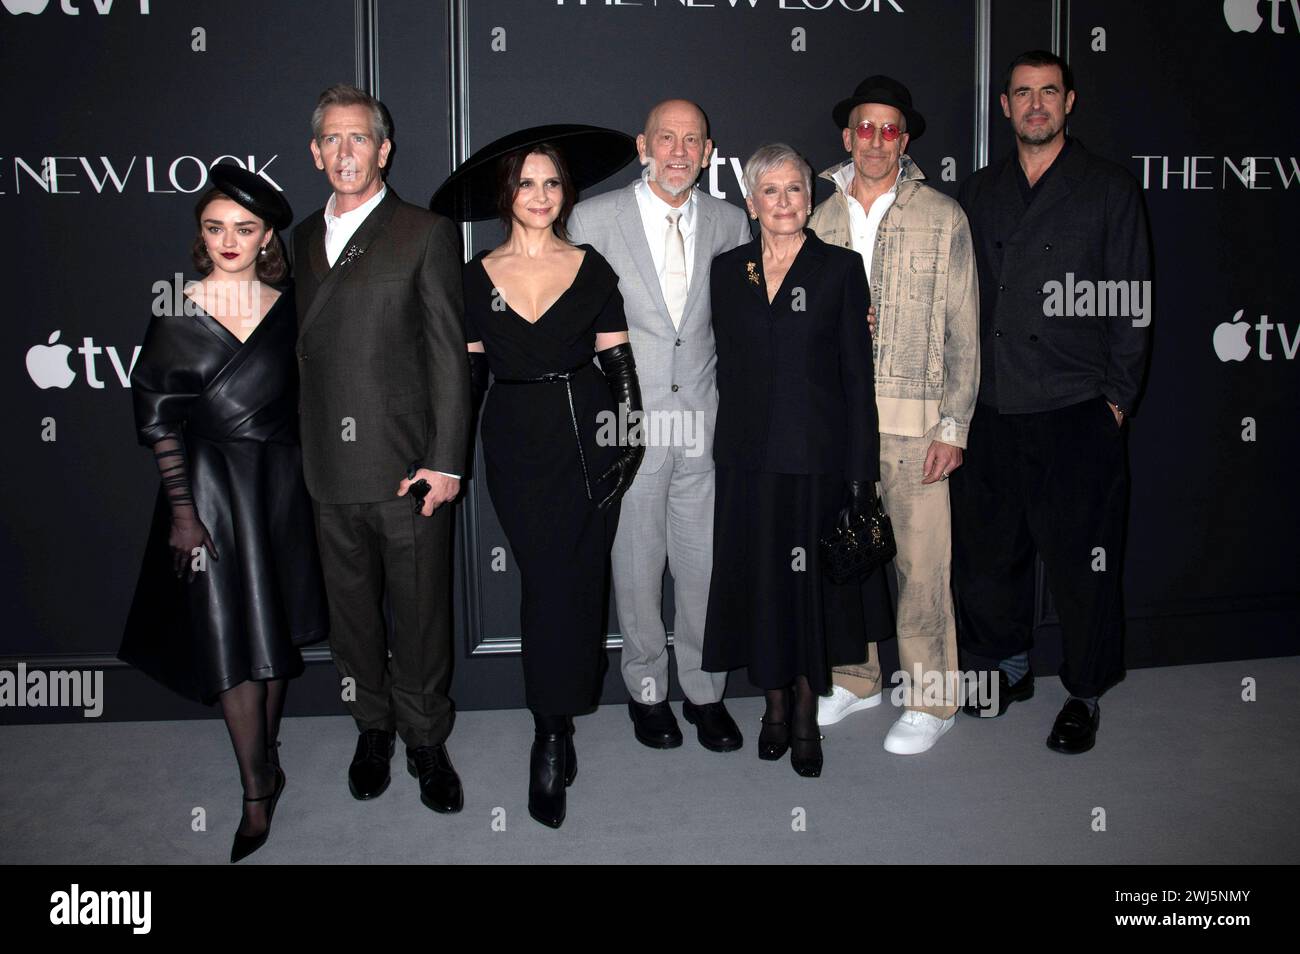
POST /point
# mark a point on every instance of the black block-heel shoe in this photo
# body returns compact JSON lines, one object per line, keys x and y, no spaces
{"x":773,"y":740}
{"x":806,"y":756}
{"x":245,"y":845}
{"x":548,"y":773}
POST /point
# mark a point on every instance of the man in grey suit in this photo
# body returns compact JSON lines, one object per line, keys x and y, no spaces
{"x":661,"y":234}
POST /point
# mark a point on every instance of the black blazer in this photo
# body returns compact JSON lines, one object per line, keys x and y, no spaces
{"x":1088,"y":220}
{"x":796,"y":388}
{"x":381,"y":353}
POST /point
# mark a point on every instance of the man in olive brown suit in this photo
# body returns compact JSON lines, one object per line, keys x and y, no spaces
{"x":385,"y":415}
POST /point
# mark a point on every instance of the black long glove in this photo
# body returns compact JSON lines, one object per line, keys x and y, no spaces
{"x":861,"y":501}
{"x":478,"y":379}
{"x":187,"y":530}
{"x":620,"y":373}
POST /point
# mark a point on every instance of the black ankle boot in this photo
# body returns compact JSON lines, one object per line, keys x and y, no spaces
{"x":570,"y":755}
{"x":547,"y":770}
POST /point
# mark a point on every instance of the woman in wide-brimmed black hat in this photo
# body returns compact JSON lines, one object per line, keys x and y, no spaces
{"x":230,"y":585}
{"x":555,"y":426}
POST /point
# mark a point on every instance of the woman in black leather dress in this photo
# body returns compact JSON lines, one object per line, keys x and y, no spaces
{"x":230,"y":585}
{"x":537,"y":310}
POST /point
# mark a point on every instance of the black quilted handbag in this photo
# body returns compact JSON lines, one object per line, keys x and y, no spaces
{"x":854,"y":549}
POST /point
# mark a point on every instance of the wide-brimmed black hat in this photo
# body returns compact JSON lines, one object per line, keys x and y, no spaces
{"x":591,"y":154}
{"x":254,"y":193}
{"x":888,"y":92}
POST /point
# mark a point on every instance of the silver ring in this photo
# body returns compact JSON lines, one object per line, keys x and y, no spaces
{"x":944,"y":475}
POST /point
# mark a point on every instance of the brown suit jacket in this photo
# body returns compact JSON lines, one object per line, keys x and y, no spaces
{"x":381,"y":353}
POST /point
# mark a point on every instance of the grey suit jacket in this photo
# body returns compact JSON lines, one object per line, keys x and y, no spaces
{"x":676,"y":367}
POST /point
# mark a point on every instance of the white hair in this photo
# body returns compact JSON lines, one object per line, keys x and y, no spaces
{"x":772,"y":156}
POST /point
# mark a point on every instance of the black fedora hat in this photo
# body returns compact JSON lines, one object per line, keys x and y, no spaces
{"x":888,"y":92}
{"x":591,"y":154}
{"x":254,"y":193}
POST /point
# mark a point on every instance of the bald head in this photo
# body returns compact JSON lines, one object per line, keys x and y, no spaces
{"x":677,"y":109}
{"x":674,"y":147}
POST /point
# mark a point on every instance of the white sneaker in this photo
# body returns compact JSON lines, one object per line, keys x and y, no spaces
{"x":840,"y":703}
{"x":915,"y":732}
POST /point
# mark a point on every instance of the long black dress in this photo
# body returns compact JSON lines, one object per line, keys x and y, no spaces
{"x":796,"y":420}
{"x":235,"y":406}
{"x":543,"y":477}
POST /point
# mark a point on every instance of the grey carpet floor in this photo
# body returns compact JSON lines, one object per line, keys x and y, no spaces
{"x":1185,"y":771}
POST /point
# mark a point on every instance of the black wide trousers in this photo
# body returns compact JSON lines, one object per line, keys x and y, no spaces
{"x":1055,"y":483}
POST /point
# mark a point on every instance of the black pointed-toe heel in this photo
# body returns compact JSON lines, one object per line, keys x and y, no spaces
{"x":547,"y":774}
{"x":245,"y":845}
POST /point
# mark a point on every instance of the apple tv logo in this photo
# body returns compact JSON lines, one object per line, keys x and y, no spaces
{"x":48,"y":364}
{"x":1242,"y":16}
{"x":1230,"y":342}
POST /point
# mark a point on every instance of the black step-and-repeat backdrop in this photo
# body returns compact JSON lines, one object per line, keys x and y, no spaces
{"x":118,"y":108}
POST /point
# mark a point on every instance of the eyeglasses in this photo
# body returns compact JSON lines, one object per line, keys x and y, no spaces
{"x":888,"y":132}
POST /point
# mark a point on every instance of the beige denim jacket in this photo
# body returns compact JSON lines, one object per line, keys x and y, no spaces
{"x":926,"y":293}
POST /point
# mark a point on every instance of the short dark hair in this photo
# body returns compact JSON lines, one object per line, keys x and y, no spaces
{"x":271,"y":267}
{"x":510,"y":170}
{"x":1039,"y":58}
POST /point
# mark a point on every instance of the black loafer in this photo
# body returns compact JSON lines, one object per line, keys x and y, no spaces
{"x":368,"y":775}
{"x":1007,"y":694}
{"x":1075,"y":729}
{"x":716,"y":728}
{"x":655,"y":725}
{"x":439,"y":784}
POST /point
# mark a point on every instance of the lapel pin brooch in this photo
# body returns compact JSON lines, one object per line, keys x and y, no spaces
{"x":751,"y":268}
{"x":352,"y":254}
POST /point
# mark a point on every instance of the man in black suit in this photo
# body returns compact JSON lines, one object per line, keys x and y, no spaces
{"x":385,"y":405}
{"x":1061,"y":246}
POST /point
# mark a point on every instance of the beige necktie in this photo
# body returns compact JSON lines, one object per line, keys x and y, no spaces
{"x":675,"y":270}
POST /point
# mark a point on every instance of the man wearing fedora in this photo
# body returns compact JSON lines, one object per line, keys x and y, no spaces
{"x":661,"y":235}
{"x":916,"y":246}
{"x":384,"y":406}
{"x":1048,"y":469}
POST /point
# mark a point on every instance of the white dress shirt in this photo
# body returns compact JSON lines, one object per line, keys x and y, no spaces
{"x":339,"y":229}
{"x":863,"y":223}
{"x":654,"y":218}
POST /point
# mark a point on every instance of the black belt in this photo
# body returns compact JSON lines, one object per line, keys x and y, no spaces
{"x":562,"y":376}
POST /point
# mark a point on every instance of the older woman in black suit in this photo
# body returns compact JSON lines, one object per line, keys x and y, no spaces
{"x":796,"y":444}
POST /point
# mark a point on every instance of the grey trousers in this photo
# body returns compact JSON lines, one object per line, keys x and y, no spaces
{"x":667,"y":518}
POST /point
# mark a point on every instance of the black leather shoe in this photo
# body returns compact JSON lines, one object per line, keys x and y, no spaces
{"x":655,"y":725}
{"x":773,"y":740}
{"x":717,"y":730}
{"x":1007,"y":694}
{"x":1075,"y":729}
{"x":547,"y":774}
{"x":245,"y":845}
{"x":439,"y":784}
{"x":806,"y":755}
{"x":368,"y":775}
